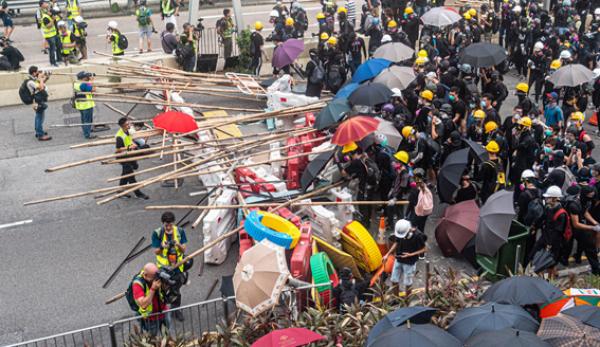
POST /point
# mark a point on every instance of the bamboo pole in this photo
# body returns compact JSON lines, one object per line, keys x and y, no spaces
{"x":75,"y":195}
{"x":111,"y":140}
{"x":265,"y":205}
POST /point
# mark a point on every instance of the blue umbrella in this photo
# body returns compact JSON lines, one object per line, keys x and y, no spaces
{"x":416,"y":315}
{"x":370,"y":69}
{"x":346,"y":90}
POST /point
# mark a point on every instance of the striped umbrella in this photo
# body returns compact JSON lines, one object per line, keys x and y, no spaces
{"x":354,"y":129}
{"x":573,"y":297}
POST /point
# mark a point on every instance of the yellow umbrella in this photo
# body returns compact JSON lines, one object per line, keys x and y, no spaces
{"x":259,"y":277}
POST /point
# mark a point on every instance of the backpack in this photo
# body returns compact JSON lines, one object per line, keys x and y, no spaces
{"x":143,"y":17}
{"x":252,"y":45}
{"x":318,"y":74}
{"x":424,"y":205}
{"x":569,"y":178}
{"x":129,"y":295}
{"x":183,"y":52}
{"x":373,"y":172}
{"x":568,"y":234}
{"x":122,"y":43}
{"x":334,"y":76}
{"x":25,"y":93}
{"x":535,"y":211}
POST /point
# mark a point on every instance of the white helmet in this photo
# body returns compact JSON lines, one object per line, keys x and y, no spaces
{"x":597,"y":11}
{"x":596,"y":72}
{"x":553,"y":192}
{"x":565,"y":54}
{"x":538,"y":46}
{"x":386,"y":38}
{"x":79,"y":19}
{"x":61,"y":23}
{"x":402,"y":228}
{"x":527,"y":174}
{"x":517,"y":9}
{"x":274,"y":13}
{"x":112,"y":24}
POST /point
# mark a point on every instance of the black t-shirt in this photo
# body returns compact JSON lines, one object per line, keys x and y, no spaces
{"x":415,"y":241}
{"x":257,"y":42}
{"x":357,"y":169}
{"x":13,"y":55}
{"x":459,"y":107}
{"x":574,"y":208}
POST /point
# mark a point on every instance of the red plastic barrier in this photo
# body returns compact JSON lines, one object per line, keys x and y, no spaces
{"x":245,"y":241}
{"x":292,"y":172}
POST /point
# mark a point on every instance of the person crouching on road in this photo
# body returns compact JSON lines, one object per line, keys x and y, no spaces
{"x":408,"y":245}
{"x":169,"y":243}
{"x":150,"y":299}
{"x":125,"y":144}
{"x":113,"y":37}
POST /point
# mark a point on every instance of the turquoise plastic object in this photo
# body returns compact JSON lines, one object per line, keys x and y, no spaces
{"x":258,"y":231}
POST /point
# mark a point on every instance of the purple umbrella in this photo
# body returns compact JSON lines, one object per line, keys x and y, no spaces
{"x":287,"y":52}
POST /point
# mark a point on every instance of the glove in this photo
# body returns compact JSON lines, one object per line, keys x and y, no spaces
{"x":597,"y":228}
{"x":392,"y":202}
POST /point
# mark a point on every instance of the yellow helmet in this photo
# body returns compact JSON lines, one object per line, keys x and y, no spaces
{"x":420,"y":61}
{"x":342,"y":9}
{"x":492,"y":147}
{"x":473,"y":12}
{"x":392,"y":24}
{"x":522,"y":87}
{"x":320,"y":15}
{"x":402,"y":156}
{"x":258,"y":26}
{"x":289,"y":21}
{"x":479,"y":114}
{"x":422,"y":53}
{"x":556,"y":64}
{"x":426,"y":94}
{"x":409,"y":10}
{"x":324,"y":36}
{"x":525,"y":121}
{"x":490,"y":126}
{"x":349,"y":147}
{"x":467,"y":16}
{"x":407,"y":131}
{"x":577,"y":116}
{"x":332,"y":41}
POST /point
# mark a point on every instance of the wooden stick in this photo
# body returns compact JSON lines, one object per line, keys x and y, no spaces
{"x":295,"y":204}
{"x":76,"y":195}
{"x":111,"y":140}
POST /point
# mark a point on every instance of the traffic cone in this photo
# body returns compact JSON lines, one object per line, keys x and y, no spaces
{"x":594,"y":119}
{"x":381,"y":241}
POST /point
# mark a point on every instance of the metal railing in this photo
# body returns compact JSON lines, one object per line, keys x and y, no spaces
{"x":199,"y":319}
{"x":210,"y":44}
{"x":18,"y":5}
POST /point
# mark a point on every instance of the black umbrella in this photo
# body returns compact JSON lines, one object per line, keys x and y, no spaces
{"x":370,"y":94}
{"x":332,"y":113}
{"x":542,"y":260}
{"x":522,"y":290}
{"x":477,"y":150}
{"x":416,"y":315}
{"x":491,"y":316}
{"x":314,"y":168}
{"x":496,"y":216}
{"x":366,"y":141}
{"x":506,"y":337}
{"x":589,"y":315}
{"x":450,"y":173}
{"x":483,"y":54}
{"x":415,"y":335}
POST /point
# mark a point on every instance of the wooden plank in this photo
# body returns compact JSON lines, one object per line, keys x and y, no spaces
{"x":226,"y":131}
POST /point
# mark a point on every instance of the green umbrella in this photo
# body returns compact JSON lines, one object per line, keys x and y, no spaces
{"x":332,"y":113}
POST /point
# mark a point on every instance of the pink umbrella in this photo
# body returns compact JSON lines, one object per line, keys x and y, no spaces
{"x":290,"y":337}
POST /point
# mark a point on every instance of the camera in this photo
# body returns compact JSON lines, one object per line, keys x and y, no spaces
{"x":170,"y":283}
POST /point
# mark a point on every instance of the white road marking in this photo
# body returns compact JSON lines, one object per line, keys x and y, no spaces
{"x":14,"y":224}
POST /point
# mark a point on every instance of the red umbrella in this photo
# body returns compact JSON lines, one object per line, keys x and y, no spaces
{"x":354,"y":129}
{"x":290,"y":337}
{"x":457,"y":227}
{"x":175,"y":122}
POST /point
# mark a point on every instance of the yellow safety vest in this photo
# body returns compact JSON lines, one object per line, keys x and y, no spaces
{"x":144,"y":312}
{"x":228,"y":32}
{"x":72,"y":9}
{"x":162,"y":259}
{"x":166,"y":8}
{"x":116,"y":50}
{"x":83,"y":104}
{"x":65,"y":38}
{"x":50,"y":29}
{"x":127,"y":141}
{"x":77,"y":31}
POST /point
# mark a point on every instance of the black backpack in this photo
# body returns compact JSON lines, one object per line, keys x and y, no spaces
{"x":183,"y":53}
{"x":25,"y":94}
{"x":535,"y":210}
{"x":252,"y":45}
{"x":129,"y":294}
{"x":318,"y":74}
{"x":334,"y":76}
{"x":122,"y":43}
{"x":373,"y":172}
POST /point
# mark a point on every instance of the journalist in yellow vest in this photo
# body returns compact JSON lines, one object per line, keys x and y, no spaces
{"x":84,"y":103}
{"x":125,"y":144}
{"x":79,"y":30}
{"x":169,"y":243}
{"x":169,"y":10}
{"x":48,"y":27}
{"x":147,"y":293}
{"x":113,"y":38}
{"x":68,"y":45}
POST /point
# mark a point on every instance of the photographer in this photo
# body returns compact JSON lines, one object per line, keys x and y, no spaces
{"x":168,"y":39}
{"x":85,"y":106}
{"x":186,"y":49}
{"x":148,"y":295}
{"x":36,"y":85}
{"x":169,"y":243}
{"x":225,"y":29}
{"x":49,"y":31}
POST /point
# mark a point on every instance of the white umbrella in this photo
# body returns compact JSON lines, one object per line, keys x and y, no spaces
{"x":396,"y":77}
{"x":440,"y":17}
{"x":394,"y":51}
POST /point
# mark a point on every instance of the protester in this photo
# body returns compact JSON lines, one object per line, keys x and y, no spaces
{"x":257,"y":49}
{"x":143,"y":15}
{"x":12,"y":55}
{"x":125,"y":144}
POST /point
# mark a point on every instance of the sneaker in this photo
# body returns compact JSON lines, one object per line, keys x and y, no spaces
{"x":178,"y":315}
{"x":142,"y":196}
{"x":91,"y":137}
{"x":45,"y":138}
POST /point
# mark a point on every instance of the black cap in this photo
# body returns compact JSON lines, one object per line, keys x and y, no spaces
{"x":84,"y":74}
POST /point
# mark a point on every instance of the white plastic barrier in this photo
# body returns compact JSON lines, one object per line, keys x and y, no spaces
{"x":343,"y":212}
{"x":215,"y":224}
{"x":324,"y":223}
{"x":275,"y":155}
{"x":262,"y":173}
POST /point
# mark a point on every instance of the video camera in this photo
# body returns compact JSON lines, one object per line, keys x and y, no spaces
{"x":170,"y":283}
